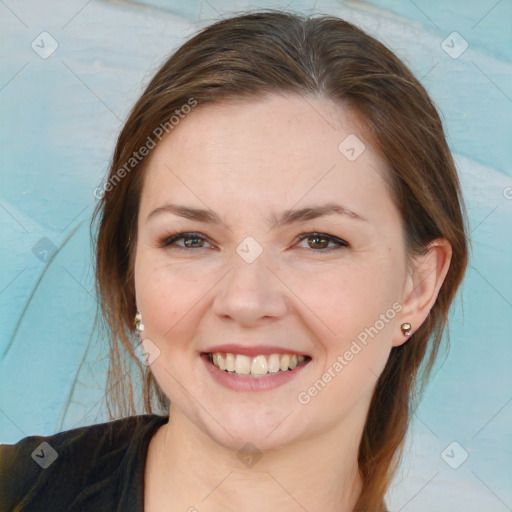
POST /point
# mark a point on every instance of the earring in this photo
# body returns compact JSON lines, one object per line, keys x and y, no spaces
{"x":139,"y":326}
{"x":406,"y":328}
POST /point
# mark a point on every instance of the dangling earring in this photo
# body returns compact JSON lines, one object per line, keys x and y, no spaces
{"x":406,"y":328}
{"x":139,"y":326}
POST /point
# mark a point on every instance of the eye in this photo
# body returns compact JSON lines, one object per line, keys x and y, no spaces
{"x":322,"y":240}
{"x":196,"y":241}
{"x":191,"y":240}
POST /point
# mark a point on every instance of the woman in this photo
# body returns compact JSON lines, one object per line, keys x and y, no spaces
{"x":280,"y":238}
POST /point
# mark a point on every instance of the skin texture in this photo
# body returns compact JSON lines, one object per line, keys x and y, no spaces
{"x":246,"y":161}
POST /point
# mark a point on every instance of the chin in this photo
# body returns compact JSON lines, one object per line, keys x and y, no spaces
{"x":266,"y":431}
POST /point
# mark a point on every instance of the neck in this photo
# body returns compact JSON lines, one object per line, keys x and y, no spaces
{"x":187,"y":470}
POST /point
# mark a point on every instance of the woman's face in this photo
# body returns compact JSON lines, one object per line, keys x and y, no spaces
{"x":248,"y":286}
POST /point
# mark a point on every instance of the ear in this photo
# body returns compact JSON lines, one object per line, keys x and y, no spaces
{"x":422,"y":285}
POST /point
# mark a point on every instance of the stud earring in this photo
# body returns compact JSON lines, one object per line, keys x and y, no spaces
{"x":406,"y":328}
{"x":139,"y":326}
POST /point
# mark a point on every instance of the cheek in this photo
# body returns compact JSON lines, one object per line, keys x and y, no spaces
{"x":353,"y":316}
{"x":359,"y":314}
{"x":347,"y":298}
{"x":168,"y":293}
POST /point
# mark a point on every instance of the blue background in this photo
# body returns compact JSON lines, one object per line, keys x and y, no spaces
{"x":60,"y":117}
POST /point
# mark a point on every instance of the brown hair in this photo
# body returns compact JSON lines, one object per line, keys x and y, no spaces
{"x":253,"y":55}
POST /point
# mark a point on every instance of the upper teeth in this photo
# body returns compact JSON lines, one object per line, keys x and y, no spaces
{"x":259,"y":365}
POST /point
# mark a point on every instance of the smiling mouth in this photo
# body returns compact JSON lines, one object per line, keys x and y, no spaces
{"x":258,"y":366}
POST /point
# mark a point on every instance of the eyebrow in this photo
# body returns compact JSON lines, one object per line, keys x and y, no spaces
{"x":288,"y":217}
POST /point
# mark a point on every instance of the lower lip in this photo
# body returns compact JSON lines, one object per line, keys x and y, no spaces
{"x":272,"y":381}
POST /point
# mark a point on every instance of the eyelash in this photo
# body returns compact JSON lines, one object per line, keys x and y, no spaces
{"x":168,"y":241}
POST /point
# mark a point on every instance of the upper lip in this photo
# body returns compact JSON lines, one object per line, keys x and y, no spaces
{"x":254,"y":350}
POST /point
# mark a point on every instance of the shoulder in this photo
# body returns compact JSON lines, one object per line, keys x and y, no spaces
{"x":53,"y":472}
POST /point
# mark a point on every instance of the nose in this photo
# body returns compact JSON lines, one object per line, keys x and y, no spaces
{"x":251,"y":293}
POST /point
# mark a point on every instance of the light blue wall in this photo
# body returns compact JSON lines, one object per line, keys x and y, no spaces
{"x":60,"y":117}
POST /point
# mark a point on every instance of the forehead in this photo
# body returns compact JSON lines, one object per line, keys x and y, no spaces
{"x":266,"y":154}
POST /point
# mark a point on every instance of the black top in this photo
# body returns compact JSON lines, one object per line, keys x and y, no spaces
{"x":99,"y":468}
